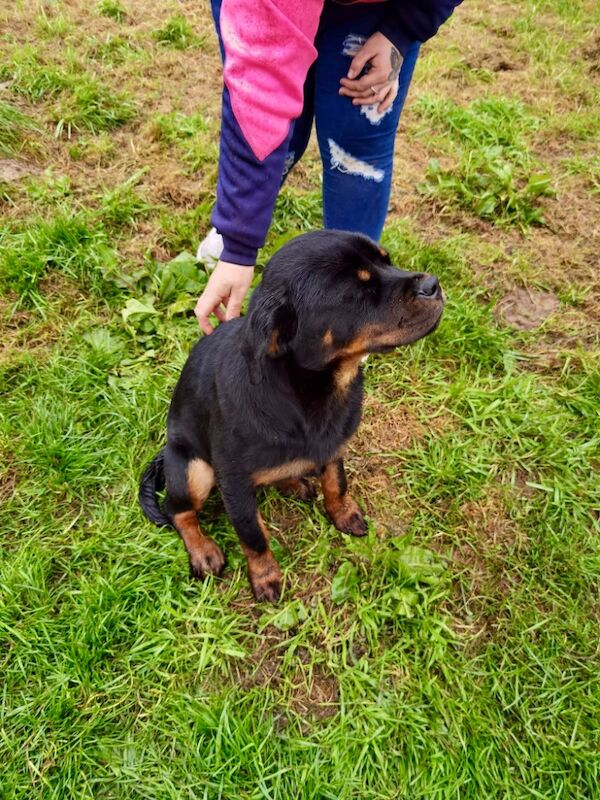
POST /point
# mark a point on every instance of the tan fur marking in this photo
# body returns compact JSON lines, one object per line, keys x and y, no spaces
{"x":383,"y":252}
{"x":293,"y":469}
{"x":343,"y":509}
{"x":347,"y":372}
{"x":328,"y":337}
{"x":205,"y":556}
{"x":273,"y":348}
{"x":331,"y":489}
{"x":358,"y":346}
{"x":186,"y":523}
{"x":364,"y":275}
{"x":200,"y":480}
{"x":263,"y":570}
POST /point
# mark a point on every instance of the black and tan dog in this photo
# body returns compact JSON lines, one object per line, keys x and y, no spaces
{"x":271,"y":398}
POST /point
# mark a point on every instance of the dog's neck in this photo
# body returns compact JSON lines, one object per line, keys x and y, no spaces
{"x":317,"y":385}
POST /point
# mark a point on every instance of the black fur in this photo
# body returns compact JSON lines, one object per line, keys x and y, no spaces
{"x":153,"y":481}
{"x":265,"y":390}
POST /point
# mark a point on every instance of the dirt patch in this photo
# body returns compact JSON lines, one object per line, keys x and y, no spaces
{"x":386,"y":428}
{"x":12,"y":170}
{"x":482,"y":550}
{"x":526,"y":309}
{"x":315,"y":695}
{"x":591,"y":53}
{"x":504,"y":61}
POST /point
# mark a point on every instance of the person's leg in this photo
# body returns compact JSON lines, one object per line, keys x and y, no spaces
{"x":301,"y":127}
{"x":356,"y":142}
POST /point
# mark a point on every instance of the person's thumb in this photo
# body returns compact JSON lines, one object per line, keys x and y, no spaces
{"x":358,"y":62}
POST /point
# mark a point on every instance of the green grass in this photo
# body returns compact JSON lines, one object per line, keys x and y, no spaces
{"x":491,"y":187}
{"x":453,"y":652}
{"x":192,"y":134}
{"x":112,"y":9}
{"x":495,"y":176}
{"x":79,"y":100}
{"x":15,"y":128}
{"x":124,"y":205}
{"x":177,"y":33}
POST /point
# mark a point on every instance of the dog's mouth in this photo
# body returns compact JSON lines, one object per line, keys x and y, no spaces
{"x":408,"y":334}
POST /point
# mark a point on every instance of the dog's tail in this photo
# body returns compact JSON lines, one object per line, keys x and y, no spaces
{"x":153,"y":481}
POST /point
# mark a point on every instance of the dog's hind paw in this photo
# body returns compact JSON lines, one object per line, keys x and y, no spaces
{"x":207,"y":561}
{"x":301,"y":488}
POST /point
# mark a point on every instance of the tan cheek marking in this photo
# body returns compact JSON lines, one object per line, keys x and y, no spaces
{"x":364,"y":275}
{"x":273,"y":348}
{"x":328,"y":337}
{"x":293,"y":469}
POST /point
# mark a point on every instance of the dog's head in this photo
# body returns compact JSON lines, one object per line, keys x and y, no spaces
{"x":329,"y":298}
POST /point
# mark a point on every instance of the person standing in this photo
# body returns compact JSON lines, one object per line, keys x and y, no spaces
{"x":345,"y":65}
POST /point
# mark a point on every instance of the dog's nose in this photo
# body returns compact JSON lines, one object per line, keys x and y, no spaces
{"x":427,"y":286}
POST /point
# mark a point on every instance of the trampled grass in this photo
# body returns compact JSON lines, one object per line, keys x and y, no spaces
{"x":452,"y":653}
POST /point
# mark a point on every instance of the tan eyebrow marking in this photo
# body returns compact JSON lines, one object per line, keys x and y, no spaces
{"x":364,"y":275}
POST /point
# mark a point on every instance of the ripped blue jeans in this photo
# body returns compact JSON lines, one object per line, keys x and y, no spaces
{"x":356,"y":142}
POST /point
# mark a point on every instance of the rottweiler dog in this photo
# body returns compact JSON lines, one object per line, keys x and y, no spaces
{"x":272,"y":397}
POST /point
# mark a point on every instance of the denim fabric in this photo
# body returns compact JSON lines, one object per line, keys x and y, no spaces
{"x":355,"y":142}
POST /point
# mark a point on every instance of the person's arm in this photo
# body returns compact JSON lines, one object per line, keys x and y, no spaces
{"x":268,"y":48}
{"x":246,"y":193}
{"x":415,"y":21}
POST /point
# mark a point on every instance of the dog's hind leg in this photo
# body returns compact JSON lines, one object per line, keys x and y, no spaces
{"x":240,"y":502}
{"x":343,"y":510}
{"x":301,"y":488}
{"x":188,"y":485}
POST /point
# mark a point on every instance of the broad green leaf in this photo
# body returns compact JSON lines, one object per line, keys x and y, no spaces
{"x":344,"y":582}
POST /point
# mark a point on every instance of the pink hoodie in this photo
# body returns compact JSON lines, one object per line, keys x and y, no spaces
{"x":268,"y":52}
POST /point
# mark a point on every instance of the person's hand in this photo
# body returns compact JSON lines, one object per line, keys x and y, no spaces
{"x":227,"y":286}
{"x":380,"y":83}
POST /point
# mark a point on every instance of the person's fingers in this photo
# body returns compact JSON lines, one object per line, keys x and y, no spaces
{"x":234,"y":304}
{"x":209,"y":303}
{"x":365,"y":94}
{"x":359,"y":61}
{"x":351,"y":93}
{"x":372,"y":99}
{"x":202,"y":317}
{"x":224,"y":294}
{"x":388,"y":99}
{"x":374,"y":77}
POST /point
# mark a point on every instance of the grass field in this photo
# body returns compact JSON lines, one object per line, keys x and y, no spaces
{"x":454,"y":653}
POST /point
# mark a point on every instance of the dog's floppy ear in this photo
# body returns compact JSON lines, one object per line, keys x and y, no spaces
{"x":271,"y":325}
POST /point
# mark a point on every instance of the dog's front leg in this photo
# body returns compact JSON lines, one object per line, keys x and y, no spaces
{"x":343,"y":510}
{"x":240,"y":502}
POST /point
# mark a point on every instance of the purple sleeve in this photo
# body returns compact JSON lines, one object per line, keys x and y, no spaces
{"x":415,"y":21}
{"x":246,"y":191}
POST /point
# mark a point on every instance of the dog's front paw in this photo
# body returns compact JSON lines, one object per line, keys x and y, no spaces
{"x":265,"y":577}
{"x":349,"y":518}
{"x":208,"y":560}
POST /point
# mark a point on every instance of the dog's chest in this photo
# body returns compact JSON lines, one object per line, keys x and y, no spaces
{"x":309,"y":450}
